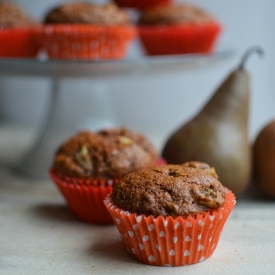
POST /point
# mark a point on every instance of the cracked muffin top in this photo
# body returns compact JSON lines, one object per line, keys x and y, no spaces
{"x":110,"y":153}
{"x":170,"y":190}
{"x":87,"y":13}
{"x":174,"y":14}
{"x":13,"y":16}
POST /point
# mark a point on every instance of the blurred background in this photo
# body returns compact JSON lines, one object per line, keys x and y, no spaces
{"x":158,"y":104}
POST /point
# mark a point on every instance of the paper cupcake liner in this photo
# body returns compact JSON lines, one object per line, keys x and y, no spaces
{"x":160,"y":161}
{"x":142,"y":4}
{"x":171,"y":241}
{"x":18,"y":43}
{"x":85,"y":41}
{"x":179,"y":39}
{"x":85,"y":197}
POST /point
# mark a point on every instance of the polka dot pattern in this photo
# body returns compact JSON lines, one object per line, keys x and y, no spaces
{"x":172,"y":252}
{"x":201,"y":223}
{"x":131,"y":233}
{"x":202,"y":258}
{"x":145,"y":238}
{"x":135,"y":227}
{"x":151,"y":227}
{"x":169,"y":241}
{"x":201,"y":247}
{"x":186,"y":253}
{"x":187,"y":238}
{"x":175,"y":239}
{"x":177,"y":225}
{"x":188,"y":224}
{"x":141,"y":246}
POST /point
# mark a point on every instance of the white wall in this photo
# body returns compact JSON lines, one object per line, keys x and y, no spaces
{"x":164,"y":102}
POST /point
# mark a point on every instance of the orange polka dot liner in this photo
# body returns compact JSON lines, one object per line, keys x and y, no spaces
{"x":141,"y":4}
{"x":179,"y":39}
{"x":88,"y":42}
{"x":18,"y":43}
{"x":171,"y":241}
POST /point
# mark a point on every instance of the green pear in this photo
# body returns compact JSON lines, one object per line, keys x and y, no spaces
{"x":218,"y":134}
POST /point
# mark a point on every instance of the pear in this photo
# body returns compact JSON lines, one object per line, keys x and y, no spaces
{"x":218,"y":134}
{"x":264,"y":159}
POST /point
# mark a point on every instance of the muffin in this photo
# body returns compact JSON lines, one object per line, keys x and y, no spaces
{"x":142,"y":5}
{"x":16,"y":32}
{"x":87,"y":165}
{"x":170,"y":215}
{"x":84,"y":30}
{"x":178,"y":29}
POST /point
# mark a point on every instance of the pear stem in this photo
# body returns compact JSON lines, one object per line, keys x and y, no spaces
{"x":247,"y":54}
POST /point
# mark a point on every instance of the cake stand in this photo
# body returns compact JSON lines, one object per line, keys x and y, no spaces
{"x":58,"y":124}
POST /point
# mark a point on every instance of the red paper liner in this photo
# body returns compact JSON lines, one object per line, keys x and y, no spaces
{"x":85,"y":197}
{"x":85,"y":41}
{"x":18,"y":43}
{"x":142,"y":4}
{"x":160,"y":161}
{"x":171,"y":241}
{"x":179,"y":39}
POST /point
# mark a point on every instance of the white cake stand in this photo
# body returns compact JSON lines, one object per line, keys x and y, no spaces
{"x":58,"y":124}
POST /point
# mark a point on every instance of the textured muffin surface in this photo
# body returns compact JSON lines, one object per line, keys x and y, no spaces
{"x":87,"y":13}
{"x":13,"y":16}
{"x":174,"y":14}
{"x":169,"y":190}
{"x":108,"y":153}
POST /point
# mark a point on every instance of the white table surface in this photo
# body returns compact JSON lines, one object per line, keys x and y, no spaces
{"x":38,"y":234}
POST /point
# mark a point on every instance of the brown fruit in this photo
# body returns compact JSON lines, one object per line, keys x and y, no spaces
{"x":264,"y":159}
{"x":218,"y":134}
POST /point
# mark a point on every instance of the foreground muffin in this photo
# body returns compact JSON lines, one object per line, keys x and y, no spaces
{"x":87,"y":165}
{"x":178,"y":29}
{"x":16,"y":32}
{"x":170,"y":215}
{"x":142,"y":5}
{"x":84,"y":30}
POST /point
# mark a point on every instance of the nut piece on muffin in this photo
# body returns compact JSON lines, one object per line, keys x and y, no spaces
{"x":13,"y":16}
{"x":110,"y":153}
{"x":175,"y":14}
{"x":87,"y":13}
{"x":170,"y":190}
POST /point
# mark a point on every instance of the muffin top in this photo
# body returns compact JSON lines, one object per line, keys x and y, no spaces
{"x":13,"y":16}
{"x":169,"y":190}
{"x":174,"y":14}
{"x":110,"y":153}
{"x":87,"y":13}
